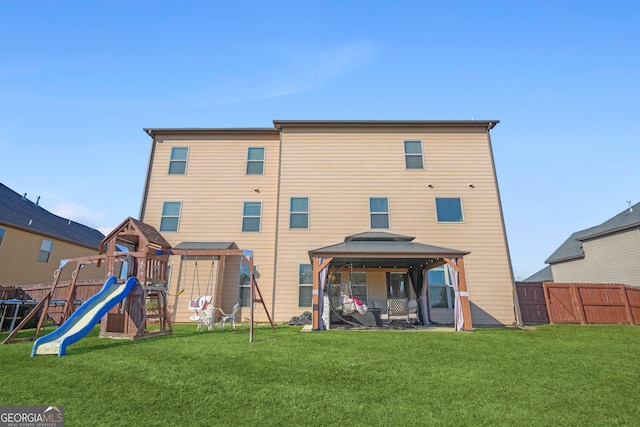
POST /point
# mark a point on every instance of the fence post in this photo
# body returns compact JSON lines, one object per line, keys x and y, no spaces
{"x":577,"y":302}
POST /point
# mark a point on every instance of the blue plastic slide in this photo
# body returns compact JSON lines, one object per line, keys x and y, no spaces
{"x":84,"y":318}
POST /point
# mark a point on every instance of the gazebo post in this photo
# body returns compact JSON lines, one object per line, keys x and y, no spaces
{"x":464,"y":296}
{"x":315,"y":294}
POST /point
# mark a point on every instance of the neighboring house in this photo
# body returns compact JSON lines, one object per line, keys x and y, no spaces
{"x":302,"y":185}
{"x":33,"y":241}
{"x":606,"y":253}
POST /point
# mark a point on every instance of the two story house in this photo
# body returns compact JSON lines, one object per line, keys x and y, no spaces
{"x":302,"y":185}
{"x":33,"y":241}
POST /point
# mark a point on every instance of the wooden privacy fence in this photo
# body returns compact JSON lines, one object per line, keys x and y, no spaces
{"x":84,"y":290}
{"x":9,"y":292}
{"x":533,"y":307}
{"x":592,"y":303}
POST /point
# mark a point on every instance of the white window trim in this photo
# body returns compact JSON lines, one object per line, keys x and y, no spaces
{"x":388,"y":213}
{"x":47,"y":251}
{"x":186,"y":161}
{"x":435,"y":210}
{"x":447,"y":284}
{"x":305,"y":285}
{"x":414,"y":155}
{"x":264,"y":161}
{"x":179,"y":216}
{"x":246,"y":216}
{"x":307,"y":212}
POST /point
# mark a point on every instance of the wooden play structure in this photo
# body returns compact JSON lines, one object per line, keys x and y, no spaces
{"x":216,"y":253}
{"x":133,"y":249}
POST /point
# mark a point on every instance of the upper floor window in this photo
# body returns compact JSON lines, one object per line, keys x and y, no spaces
{"x":45,"y":250}
{"x":251,"y":216}
{"x":305,"y":285}
{"x":255,"y":161}
{"x":178,"y":162}
{"x":379,"y":211}
{"x":299,"y":212}
{"x":413,"y":155}
{"x":170,"y":216}
{"x":1,"y":235}
{"x":449,"y":209}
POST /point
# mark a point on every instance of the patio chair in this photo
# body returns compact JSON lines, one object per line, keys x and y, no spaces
{"x":207,"y":318}
{"x":398,"y":309}
{"x":229,"y":317}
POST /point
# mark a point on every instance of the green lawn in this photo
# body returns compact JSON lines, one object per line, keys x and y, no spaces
{"x":569,"y":375}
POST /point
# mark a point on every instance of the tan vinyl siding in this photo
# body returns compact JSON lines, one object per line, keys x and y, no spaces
{"x":19,"y":263}
{"x":608,"y":259}
{"x":340,"y":171}
{"x":213,"y":192}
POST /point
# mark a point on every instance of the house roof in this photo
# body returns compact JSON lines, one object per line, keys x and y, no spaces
{"x":544,"y":275}
{"x":572,"y":247}
{"x":279,"y":124}
{"x":198,"y":131}
{"x":19,"y":212}
{"x":384,"y":250}
{"x":488,"y":124}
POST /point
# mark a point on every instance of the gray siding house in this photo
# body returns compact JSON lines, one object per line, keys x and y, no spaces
{"x":606,"y":253}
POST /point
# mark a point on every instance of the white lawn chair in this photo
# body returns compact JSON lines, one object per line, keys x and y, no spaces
{"x":207,"y":318}
{"x":229,"y":317}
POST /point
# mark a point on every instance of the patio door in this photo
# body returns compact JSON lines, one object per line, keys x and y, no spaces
{"x":397,"y":285}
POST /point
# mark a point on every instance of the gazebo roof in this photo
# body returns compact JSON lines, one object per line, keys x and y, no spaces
{"x":384,"y":250}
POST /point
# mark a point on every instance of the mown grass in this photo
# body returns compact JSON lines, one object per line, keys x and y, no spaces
{"x":549,"y":376}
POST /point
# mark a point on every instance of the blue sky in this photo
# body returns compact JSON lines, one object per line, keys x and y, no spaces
{"x":80,"y":79}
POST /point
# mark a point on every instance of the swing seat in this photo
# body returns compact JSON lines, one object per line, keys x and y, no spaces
{"x":350,"y":305}
{"x":199,"y":304}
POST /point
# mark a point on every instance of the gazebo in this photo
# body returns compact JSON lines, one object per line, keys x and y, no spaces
{"x":388,"y":250}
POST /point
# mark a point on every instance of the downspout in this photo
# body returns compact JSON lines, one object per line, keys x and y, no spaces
{"x":275,"y":245}
{"x":145,"y":191}
{"x":516,"y":303}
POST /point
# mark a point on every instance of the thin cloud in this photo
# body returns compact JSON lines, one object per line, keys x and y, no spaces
{"x":78,"y":213}
{"x":302,"y":71}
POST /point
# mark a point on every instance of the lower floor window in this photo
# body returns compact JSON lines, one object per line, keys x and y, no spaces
{"x":45,"y":250}
{"x":397,"y":285}
{"x":440,"y":290}
{"x":245,"y":286}
{"x":305,"y":286}
{"x":170,"y":216}
{"x":358,"y":285}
